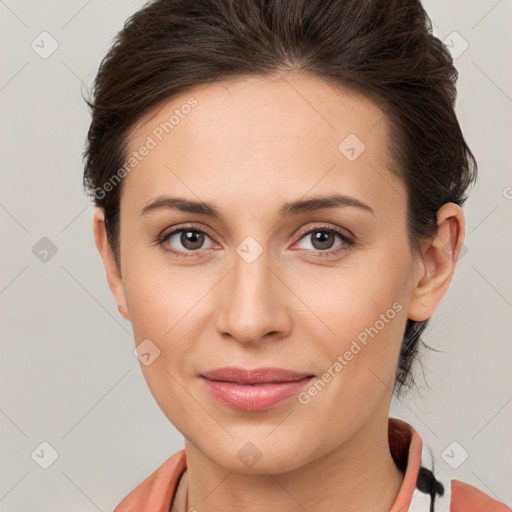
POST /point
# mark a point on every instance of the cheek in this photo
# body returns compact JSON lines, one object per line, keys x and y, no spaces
{"x":359,"y":319}
{"x":344,"y":301}
{"x":170,"y":308}
{"x":358,"y":362}
{"x":162,"y":309}
{"x":158,"y":298}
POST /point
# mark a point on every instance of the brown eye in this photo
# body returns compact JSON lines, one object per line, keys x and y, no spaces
{"x":186,"y":241}
{"x":191,"y":239}
{"x":322,"y":240}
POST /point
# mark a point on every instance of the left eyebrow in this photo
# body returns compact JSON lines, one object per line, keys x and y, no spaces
{"x":292,"y":208}
{"x":322,"y":202}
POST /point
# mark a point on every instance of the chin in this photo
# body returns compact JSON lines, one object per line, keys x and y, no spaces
{"x":257,"y":454}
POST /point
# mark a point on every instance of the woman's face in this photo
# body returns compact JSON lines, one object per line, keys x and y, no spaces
{"x":324,"y":292}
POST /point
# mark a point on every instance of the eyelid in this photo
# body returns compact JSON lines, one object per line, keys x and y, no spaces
{"x":325,"y":226}
{"x":167,"y":232}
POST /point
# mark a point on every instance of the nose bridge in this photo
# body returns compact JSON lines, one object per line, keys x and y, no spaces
{"x":252,"y":306}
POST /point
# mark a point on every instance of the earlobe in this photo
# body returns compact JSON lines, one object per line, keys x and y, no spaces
{"x":438,"y":263}
{"x":112,"y":270}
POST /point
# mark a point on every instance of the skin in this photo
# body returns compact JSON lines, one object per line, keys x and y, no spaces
{"x":248,"y":147}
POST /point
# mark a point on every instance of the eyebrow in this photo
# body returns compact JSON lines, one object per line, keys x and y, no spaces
{"x":165,"y":202}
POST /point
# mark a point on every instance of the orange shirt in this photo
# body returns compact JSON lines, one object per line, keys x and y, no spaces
{"x":422,"y":490}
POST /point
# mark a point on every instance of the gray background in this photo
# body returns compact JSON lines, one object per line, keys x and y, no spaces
{"x":68,"y":374}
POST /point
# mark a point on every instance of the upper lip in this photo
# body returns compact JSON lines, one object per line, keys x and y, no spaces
{"x":254,"y":376}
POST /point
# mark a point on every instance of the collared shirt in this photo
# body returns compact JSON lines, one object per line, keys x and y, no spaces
{"x":424,"y":488}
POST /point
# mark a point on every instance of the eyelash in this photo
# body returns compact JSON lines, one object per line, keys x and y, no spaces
{"x":348,"y":242}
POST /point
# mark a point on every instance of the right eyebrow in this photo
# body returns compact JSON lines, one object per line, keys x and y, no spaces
{"x":165,"y":202}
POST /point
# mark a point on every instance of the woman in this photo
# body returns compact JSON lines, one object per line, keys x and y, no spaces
{"x":278,"y":188}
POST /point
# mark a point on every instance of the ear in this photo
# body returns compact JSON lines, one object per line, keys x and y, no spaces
{"x":438,"y":263}
{"x":114,"y":278}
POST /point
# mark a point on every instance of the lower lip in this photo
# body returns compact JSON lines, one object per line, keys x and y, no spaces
{"x":255,"y":397}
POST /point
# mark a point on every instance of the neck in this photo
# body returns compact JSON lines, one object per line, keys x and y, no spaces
{"x":358,"y":475}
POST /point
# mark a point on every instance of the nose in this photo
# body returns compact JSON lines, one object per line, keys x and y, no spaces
{"x":253,"y":307}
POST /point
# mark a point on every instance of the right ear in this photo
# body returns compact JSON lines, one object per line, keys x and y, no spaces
{"x":114,"y":278}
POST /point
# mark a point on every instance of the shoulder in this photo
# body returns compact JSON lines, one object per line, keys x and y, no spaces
{"x":466,"y":498}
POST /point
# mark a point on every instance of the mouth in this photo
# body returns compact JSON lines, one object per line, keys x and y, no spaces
{"x":254,"y":389}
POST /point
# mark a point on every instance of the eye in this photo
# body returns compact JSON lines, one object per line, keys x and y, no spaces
{"x":185,"y":239}
{"x":188,"y":241}
{"x":322,"y":240}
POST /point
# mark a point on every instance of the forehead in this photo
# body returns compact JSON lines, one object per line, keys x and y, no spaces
{"x":254,"y":135}
{"x":252,"y":108}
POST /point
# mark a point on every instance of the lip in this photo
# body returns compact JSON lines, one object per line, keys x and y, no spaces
{"x":253,"y":389}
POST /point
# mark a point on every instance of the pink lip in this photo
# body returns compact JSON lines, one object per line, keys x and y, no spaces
{"x":253,"y":390}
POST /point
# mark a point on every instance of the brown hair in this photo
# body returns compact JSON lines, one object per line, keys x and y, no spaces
{"x":383,"y":48}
